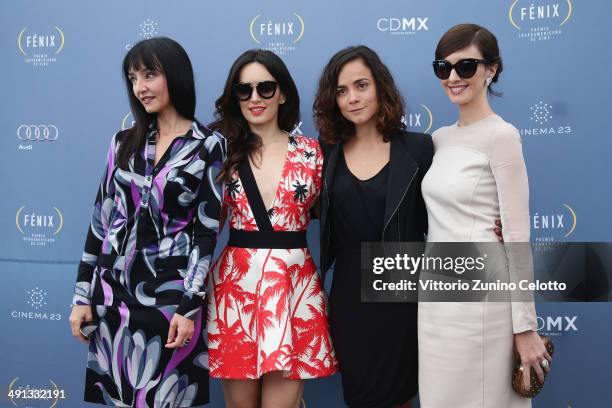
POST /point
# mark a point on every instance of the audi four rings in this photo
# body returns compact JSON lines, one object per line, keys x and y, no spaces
{"x":37,"y":132}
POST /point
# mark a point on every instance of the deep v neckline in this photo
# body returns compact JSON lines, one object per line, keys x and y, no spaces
{"x":279,"y":179}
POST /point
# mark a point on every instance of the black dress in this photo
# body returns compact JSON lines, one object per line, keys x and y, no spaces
{"x":376,"y":343}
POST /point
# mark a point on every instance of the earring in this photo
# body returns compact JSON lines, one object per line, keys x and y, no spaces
{"x":488,"y":81}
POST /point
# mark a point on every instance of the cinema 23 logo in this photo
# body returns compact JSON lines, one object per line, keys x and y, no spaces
{"x":35,"y":220}
{"x":37,"y":41}
{"x":538,"y":12}
{"x":274,"y":28}
{"x":38,"y":133}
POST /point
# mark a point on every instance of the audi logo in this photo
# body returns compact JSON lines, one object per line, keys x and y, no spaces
{"x":37,"y":132}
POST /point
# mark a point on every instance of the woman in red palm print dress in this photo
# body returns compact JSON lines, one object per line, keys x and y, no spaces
{"x":267,"y":313}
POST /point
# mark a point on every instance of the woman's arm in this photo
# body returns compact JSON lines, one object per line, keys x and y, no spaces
{"x":81,"y":300}
{"x":206,"y":227}
{"x":510,"y":174}
{"x":508,"y":167}
{"x":97,"y":230}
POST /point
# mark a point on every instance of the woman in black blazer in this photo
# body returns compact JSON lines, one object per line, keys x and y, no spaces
{"x":371,"y":192}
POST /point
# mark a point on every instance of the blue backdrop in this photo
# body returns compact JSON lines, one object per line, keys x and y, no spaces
{"x":64,"y":98}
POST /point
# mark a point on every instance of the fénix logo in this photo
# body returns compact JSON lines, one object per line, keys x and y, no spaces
{"x":40,"y":48}
{"x":39,"y":228}
{"x":554,"y":226}
{"x":277,"y":33}
{"x":127,"y":121}
{"x":557,"y":325}
{"x":539,"y":20}
{"x":402,"y":25}
{"x":544,"y":122}
{"x":420,"y":120}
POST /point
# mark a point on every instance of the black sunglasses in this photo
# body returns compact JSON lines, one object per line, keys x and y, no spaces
{"x":265,"y":89}
{"x":465,"y":68}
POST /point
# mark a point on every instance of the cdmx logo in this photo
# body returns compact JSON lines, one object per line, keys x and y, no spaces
{"x":557,"y":325}
{"x":403,"y":25}
{"x":41,"y":49}
{"x":560,"y":224}
{"x":279,"y":35}
{"x":543,"y":18}
{"x":419,"y":120}
{"x":37,"y":133}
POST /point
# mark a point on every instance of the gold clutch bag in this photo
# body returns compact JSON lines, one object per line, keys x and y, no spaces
{"x":535,"y":386}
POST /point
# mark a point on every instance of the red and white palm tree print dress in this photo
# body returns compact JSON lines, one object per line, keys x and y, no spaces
{"x":267,"y":310}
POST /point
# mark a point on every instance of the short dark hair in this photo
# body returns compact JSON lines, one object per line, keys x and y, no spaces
{"x":464,"y":35}
{"x":242,"y":142}
{"x":332,"y":126}
{"x":163,"y":55}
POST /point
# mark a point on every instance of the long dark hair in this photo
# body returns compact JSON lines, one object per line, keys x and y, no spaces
{"x":464,"y":35}
{"x":242,"y":142}
{"x":330,"y":123}
{"x":166,"y":56}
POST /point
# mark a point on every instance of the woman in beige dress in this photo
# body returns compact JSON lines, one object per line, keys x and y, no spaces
{"x":467,"y":349}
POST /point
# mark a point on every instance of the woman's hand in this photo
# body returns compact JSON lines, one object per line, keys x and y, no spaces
{"x":80,"y":314}
{"x":498,"y":230}
{"x":532,"y":353}
{"x":180,"y":332}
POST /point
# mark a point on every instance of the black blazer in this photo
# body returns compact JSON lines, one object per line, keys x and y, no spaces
{"x":405,"y":213}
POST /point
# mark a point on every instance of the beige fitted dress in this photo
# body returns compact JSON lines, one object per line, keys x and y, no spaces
{"x":466,"y":353}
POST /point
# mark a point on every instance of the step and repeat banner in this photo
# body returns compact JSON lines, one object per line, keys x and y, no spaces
{"x":63,"y":99}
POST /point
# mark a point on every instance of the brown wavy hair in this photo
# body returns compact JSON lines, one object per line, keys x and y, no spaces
{"x":242,"y":142}
{"x":332,"y":126}
{"x":462,"y":36}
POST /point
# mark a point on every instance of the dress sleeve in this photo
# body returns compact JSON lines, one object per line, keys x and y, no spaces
{"x":206,"y":226}
{"x":508,"y":167}
{"x":97,"y":230}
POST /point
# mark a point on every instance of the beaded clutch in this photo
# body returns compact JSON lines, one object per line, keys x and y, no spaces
{"x":535,"y":386}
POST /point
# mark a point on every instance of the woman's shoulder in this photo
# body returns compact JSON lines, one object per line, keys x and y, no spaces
{"x":416,"y":142}
{"x":504,"y":130}
{"x":213,"y":139}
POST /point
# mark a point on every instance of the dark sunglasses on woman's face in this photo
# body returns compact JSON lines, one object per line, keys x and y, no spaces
{"x":265,"y":89}
{"x":465,"y":68}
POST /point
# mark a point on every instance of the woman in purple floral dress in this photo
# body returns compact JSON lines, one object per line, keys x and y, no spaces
{"x":149,"y":246}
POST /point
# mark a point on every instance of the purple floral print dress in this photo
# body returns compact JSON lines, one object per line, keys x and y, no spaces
{"x":148,"y":249}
